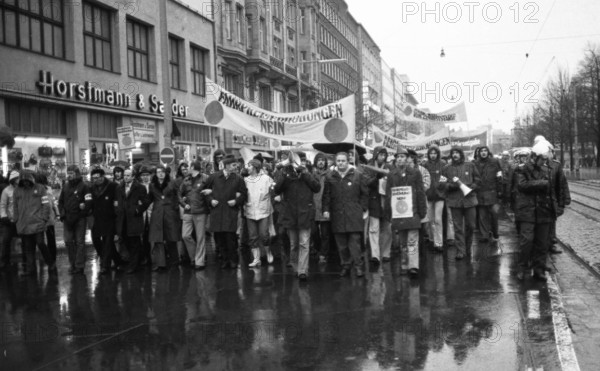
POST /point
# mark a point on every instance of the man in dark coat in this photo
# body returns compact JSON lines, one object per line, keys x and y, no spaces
{"x":538,"y":204}
{"x":228,"y":194}
{"x":380,"y":229}
{"x":105,"y":201}
{"x":565,"y":195}
{"x":165,"y":224}
{"x":31,"y":211}
{"x":297,"y":186}
{"x":346,"y":202}
{"x":74,"y":205}
{"x":435,"y":197}
{"x":133,"y":202}
{"x":488,"y":194}
{"x":405,"y":220}
{"x":457,"y":173}
{"x":196,"y":209}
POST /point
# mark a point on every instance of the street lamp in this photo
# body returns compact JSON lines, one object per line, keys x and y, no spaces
{"x":336,"y":60}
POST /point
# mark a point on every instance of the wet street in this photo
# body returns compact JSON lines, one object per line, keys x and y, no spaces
{"x":468,"y":315}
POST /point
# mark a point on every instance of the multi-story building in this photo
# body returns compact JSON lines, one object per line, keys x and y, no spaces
{"x":72,"y":73}
{"x":387,"y":99}
{"x":260,"y":48}
{"x":370,"y":77}
{"x":338,"y":39}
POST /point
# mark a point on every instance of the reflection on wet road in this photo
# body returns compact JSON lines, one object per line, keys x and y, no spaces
{"x":458,"y":315}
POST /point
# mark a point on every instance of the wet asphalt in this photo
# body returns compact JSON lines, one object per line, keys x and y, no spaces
{"x":469,"y":315}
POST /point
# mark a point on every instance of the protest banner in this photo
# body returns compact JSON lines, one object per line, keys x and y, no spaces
{"x":332,"y":123}
{"x":455,"y":114}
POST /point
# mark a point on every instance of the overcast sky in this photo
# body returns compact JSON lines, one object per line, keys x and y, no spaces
{"x":489,"y":50}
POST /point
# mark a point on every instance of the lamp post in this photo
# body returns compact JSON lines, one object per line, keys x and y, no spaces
{"x":300,"y":81}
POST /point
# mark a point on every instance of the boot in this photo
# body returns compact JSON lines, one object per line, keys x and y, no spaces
{"x":269,"y":255}
{"x":256,"y":262}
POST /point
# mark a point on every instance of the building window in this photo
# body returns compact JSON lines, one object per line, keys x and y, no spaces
{"x":227,"y":22}
{"x":277,"y":47}
{"x":265,"y":97}
{"x":232,"y":84}
{"x":248,"y":32}
{"x":137,"y":50}
{"x":291,"y":56}
{"x":175,"y":62}
{"x":97,"y":37}
{"x":199,"y":57}
{"x":302,"y":21}
{"x":34,"y":25}
{"x":303,"y":59}
{"x":278,"y":101}
{"x":263,"y":35}
{"x":239,"y":15}
{"x":290,"y":34}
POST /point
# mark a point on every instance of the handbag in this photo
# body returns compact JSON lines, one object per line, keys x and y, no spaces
{"x":58,"y":151}
{"x":44,"y":151}
{"x":33,"y":159}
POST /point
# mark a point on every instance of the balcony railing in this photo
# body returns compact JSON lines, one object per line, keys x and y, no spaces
{"x":275,"y":62}
{"x":291,"y":69}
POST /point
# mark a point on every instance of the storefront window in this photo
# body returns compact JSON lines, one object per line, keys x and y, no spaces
{"x":183,"y":152}
{"x":103,"y":153}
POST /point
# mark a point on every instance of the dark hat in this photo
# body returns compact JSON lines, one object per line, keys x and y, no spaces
{"x":197,"y":165}
{"x":229,"y":159}
{"x":118,"y":169}
{"x":401,"y":151}
{"x":144,"y":170}
{"x":302,"y":155}
{"x":97,"y":170}
{"x":73,"y":168}
{"x":259,"y":157}
{"x":412,"y":153}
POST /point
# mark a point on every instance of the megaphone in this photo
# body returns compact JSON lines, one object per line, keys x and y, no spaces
{"x":465,"y":190}
{"x":293,"y":159}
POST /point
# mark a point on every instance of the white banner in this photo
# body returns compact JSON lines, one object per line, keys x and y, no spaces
{"x":420,"y":145}
{"x":457,"y":113}
{"x":332,"y":123}
{"x":402,"y":206}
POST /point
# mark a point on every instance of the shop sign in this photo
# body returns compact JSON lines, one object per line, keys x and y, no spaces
{"x":144,"y":132}
{"x":88,"y":92}
{"x":253,"y":140}
{"x":126,"y":137}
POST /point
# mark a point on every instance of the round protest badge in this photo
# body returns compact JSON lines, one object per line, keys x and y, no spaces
{"x":213,"y":113}
{"x":401,"y":206}
{"x":335,"y":130}
{"x":408,"y":111}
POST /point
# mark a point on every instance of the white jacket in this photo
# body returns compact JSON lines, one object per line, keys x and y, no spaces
{"x":258,"y":203}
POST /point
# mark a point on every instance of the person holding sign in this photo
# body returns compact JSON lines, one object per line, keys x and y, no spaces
{"x":460,"y":180}
{"x":346,"y":202}
{"x":406,"y":205}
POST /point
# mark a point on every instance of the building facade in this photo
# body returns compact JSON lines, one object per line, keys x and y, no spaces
{"x":72,"y":74}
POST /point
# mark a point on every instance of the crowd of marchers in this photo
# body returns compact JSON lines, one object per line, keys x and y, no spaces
{"x":339,"y":208}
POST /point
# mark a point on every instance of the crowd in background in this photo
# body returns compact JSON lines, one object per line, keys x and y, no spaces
{"x":339,"y":209}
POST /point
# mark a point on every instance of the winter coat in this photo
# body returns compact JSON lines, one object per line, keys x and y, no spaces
{"x":490,"y":189}
{"x":320,"y":175}
{"x":31,"y":206}
{"x":435,"y":171}
{"x":224,"y":218}
{"x":373,"y":179}
{"x":298,"y":209}
{"x":131,"y":209}
{"x":346,"y":199}
{"x":538,"y":196}
{"x":468,"y":175}
{"x":258,"y":203}
{"x":54,"y":213}
{"x":565,"y":194}
{"x":6,"y":202}
{"x":401,"y":177}
{"x":190,"y":194}
{"x":165,"y":223}
{"x":74,"y":193}
{"x":104,"y":209}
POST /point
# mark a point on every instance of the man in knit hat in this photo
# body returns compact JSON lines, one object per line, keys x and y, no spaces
{"x":74,"y":204}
